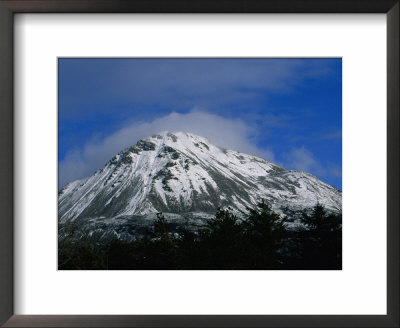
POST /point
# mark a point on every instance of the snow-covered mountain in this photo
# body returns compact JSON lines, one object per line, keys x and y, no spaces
{"x":184,"y":175}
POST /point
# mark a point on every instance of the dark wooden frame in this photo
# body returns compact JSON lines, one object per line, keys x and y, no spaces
{"x":7,"y":10}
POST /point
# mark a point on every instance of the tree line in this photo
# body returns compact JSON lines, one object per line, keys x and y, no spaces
{"x":257,"y":240}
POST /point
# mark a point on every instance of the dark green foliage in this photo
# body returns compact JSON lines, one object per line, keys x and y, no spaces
{"x":256,"y":240}
{"x":161,"y":226}
{"x":82,"y":255}
{"x":264,"y":230}
{"x":322,"y":239}
{"x":222,"y":244}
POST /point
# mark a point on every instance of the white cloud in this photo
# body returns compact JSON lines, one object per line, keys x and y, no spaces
{"x":230,"y":134}
{"x":301,"y":159}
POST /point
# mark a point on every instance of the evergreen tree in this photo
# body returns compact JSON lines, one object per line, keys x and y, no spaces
{"x":162,"y":251}
{"x":322,"y":239}
{"x":161,"y":226}
{"x":256,"y":240}
{"x":264,"y":229}
{"x":221,"y":245}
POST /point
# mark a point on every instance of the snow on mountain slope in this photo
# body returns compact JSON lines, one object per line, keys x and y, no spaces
{"x":185,"y":173}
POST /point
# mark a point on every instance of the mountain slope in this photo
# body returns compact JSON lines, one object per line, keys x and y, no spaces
{"x":183,"y":173}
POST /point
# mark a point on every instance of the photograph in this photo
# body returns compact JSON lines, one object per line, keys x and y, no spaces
{"x":220,"y":164}
{"x":199,"y":163}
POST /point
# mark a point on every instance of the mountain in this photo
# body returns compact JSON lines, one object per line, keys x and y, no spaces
{"x":187,"y":178}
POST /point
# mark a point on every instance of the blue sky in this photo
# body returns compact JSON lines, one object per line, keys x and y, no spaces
{"x":288,"y":111}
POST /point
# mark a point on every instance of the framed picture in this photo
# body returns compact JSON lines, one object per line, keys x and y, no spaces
{"x":194,"y":186}
{"x":199,"y":164}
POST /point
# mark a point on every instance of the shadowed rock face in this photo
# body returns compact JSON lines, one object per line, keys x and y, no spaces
{"x":183,"y":173}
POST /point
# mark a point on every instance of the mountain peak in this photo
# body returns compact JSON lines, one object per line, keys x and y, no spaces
{"x":181,"y":172}
{"x":179,"y":141}
{"x":178,"y":136}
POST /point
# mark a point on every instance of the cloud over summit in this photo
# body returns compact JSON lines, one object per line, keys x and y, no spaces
{"x":231,"y":134}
